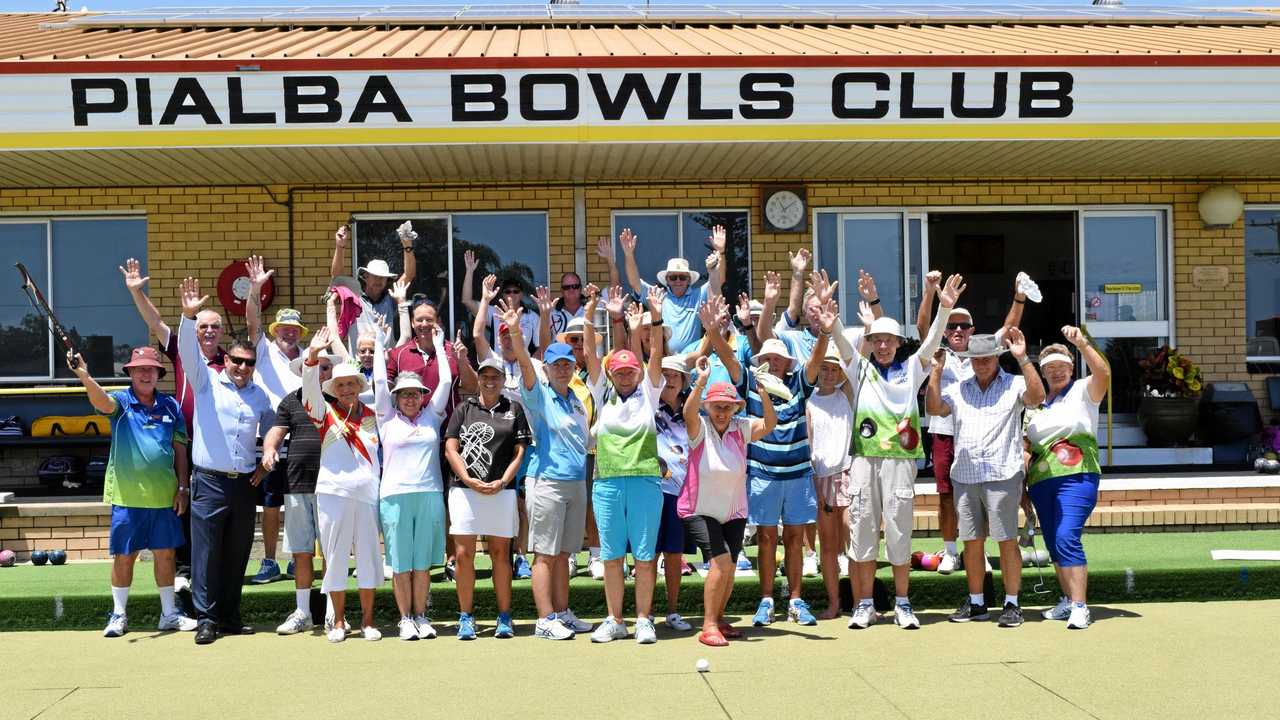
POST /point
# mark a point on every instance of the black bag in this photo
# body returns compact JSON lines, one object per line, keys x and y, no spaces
{"x":61,"y":472}
{"x":95,"y":473}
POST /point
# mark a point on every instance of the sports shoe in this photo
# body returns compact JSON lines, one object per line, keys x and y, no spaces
{"x":425,"y":631}
{"x":744,"y":562}
{"x":1011,"y":617}
{"x":288,"y":571}
{"x":573,"y":564}
{"x":948,"y":564}
{"x":675,"y":622}
{"x":798,"y":611}
{"x":1028,"y":287}
{"x":1080,"y":617}
{"x":863,"y":617}
{"x":552,"y":628}
{"x":571,"y":621}
{"x":968,"y":611}
{"x":297,"y":622}
{"x":646,"y":634}
{"x":408,"y":628}
{"x":329,"y":624}
{"x":904,"y":617}
{"x":686,"y":569}
{"x":176,"y":621}
{"x":521,"y":568}
{"x":810,"y":566}
{"x":764,"y":613}
{"x":268,"y":572}
{"x":337,"y":634}
{"x":450,"y":570}
{"x":117,"y":625}
{"x":466,"y":627}
{"x":1061,"y":611}
{"x":609,"y":630}
{"x":597,"y":568}
{"x":504,"y":630}
{"x":370,"y":633}
{"x":662,"y":565}
{"x":180,"y":583}
{"x":771,"y":384}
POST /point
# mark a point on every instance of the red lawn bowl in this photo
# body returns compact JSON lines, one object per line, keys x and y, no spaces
{"x":8,"y":558}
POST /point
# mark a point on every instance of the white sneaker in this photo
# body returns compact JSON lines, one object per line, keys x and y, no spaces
{"x":949,"y":563}
{"x":117,"y":625}
{"x":597,"y":568}
{"x":609,"y":630}
{"x":1080,"y":617}
{"x":1028,"y":287}
{"x":646,"y":634}
{"x":810,"y":568}
{"x":987,"y":561}
{"x":1061,"y":611}
{"x":905,"y":618}
{"x":180,"y":583}
{"x":408,"y":628}
{"x":571,"y":621}
{"x":573,"y":564}
{"x":675,"y":622}
{"x":329,"y":624}
{"x":337,"y":634}
{"x":662,"y":565}
{"x":177,"y":621}
{"x":371,"y":633}
{"x":771,"y":384}
{"x":425,"y":631}
{"x":297,"y":622}
{"x":863,"y":617}
{"x":553,"y":628}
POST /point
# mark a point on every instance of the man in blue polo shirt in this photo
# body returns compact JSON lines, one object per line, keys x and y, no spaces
{"x":146,"y":495}
{"x":680,"y":307}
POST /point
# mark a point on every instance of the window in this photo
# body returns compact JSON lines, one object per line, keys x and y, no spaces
{"x":73,"y":261}
{"x":853,"y":241}
{"x":668,"y":233}
{"x":507,"y":244}
{"x":1262,"y":283}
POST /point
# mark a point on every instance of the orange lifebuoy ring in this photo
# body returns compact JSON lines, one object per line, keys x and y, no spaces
{"x":233,"y":288}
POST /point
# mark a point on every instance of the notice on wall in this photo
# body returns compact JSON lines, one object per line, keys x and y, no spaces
{"x":1122,"y":288}
{"x":1210,"y":277}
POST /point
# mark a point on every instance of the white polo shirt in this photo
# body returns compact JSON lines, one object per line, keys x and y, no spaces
{"x":988,"y":428}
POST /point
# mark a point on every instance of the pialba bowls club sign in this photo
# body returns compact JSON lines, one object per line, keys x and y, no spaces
{"x":251,"y":105}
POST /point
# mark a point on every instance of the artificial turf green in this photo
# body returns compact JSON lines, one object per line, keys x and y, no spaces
{"x":1123,"y":567}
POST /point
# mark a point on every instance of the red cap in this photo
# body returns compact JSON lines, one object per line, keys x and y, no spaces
{"x":722,"y":392}
{"x":502,"y":328}
{"x":621,"y":359}
{"x":145,"y":357}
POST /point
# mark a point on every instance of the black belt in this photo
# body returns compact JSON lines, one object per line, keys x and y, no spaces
{"x":220,"y":474}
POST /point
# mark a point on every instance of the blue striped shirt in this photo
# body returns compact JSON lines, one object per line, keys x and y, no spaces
{"x":784,"y":453}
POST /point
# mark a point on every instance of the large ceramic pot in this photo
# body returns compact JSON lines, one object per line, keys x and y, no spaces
{"x":1168,"y":420}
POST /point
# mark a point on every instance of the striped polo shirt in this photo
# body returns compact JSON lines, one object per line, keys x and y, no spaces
{"x":784,"y":453}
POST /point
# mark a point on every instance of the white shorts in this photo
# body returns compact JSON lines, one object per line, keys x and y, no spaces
{"x":347,"y":525}
{"x":301,"y":523}
{"x":472,"y":513}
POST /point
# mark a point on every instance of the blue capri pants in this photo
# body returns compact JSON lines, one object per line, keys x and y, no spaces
{"x":1063,"y":505}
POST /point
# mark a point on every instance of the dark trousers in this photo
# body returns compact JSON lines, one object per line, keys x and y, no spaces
{"x":223,"y":513}
{"x":182,"y":553}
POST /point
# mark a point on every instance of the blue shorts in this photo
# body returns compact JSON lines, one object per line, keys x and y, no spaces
{"x":671,"y":527}
{"x":791,"y":502}
{"x":274,"y":486}
{"x":413,"y":530}
{"x":1063,"y":505}
{"x":134,"y":529}
{"x":628,"y":510}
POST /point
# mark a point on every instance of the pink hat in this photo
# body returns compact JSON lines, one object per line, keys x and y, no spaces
{"x":145,"y":357}
{"x":621,"y":359}
{"x":722,"y":392}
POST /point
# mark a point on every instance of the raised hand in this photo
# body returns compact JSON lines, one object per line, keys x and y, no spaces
{"x":823,"y":288}
{"x":406,"y":233}
{"x":656,"y":297}
{"x":772,"y":287}
{"x":1074,"y":336}
{"x":258,"y":274}
{"x":542,"y":297}
{"x":341,"y":237}
{"x":319,"y":342}
{"x":709,"y":313}
{"x":932,"y":281}
{"x":470,"y":261}
{"x":865,"y":313}
{"x":828,"y":315}
{"x":192,"y":300}
{"x":704,"y":366}
{"x":510,"y":313}
{"x":867,"y":286}
{"x":719,"y":239}
{"x":617,"y":302}
{"x":950,"y":293}
{"x":744,"y":309}
{"x":628,"y":240}
{"x":800,"y":261}
{"x":399,"y":291}
{"x":635,"y":313}
{"x":459,"y":349}
{"x":604,"y":249}
{"x":488,"y":289}
{"x":1016,"y":341}
{"x":593,"y":296}
{"x":75,"y":363}
{"x":132,"y":272}
{"x":713,"y":261}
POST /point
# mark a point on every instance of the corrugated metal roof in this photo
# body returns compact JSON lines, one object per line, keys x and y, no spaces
{"x":37,"y":37}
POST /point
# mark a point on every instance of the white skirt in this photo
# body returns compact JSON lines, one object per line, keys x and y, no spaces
{"x":472,"y":513}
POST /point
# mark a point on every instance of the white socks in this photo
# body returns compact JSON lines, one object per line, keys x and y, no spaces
{"x":865,"y":602}
{"x":950,"y":547}
{"x":121,"y":597}
{"x":902,"y":600}
{"x":167,"y":605}
{"x":304,"y":601}
{"x":976,"y":599}
{"x":1011,"y":599}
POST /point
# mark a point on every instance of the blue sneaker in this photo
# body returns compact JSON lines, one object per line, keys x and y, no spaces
{"x":504,"y":629}
{"x":522,"y":569}
{"x":268,"y":572}
{"x":288,"y":571}
{"x":744,"y":563}
{"x":466,"y":627}
{"x":798,"y":610}
{"x":764,"y":613}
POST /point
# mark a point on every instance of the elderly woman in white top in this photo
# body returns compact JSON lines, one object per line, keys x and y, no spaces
{"x":412,"y":491}
{"x":347,"y":486}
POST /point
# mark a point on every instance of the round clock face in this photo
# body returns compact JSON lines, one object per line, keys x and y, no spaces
{"x":784,"y":209}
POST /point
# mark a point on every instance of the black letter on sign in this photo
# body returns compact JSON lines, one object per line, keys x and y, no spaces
{"x":565,"y":80}
{"x":654,"y":108}
{"x":696,"y":111}
{"x":379,"y":86}
{"x":80,"y":105}
{"x":838,"y":107}
{"x":295,"y":99}
{"x":909,"y":109}
{"x":999,"y":97}
{"x":144,"y":100}
{"x":1060,"y":95}
{"x":188,"y":88}
{"x":748,"y":92}
{"x":236,"y":114}
{"x":493,"y":96}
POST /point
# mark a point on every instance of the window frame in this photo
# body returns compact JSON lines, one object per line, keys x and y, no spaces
{"x":1264,"y":207}
{"x":47,"y":283}
{"x":678,"y":212}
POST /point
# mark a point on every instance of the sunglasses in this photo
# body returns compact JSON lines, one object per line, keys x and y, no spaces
{"x":249,"y":362}
{"x":959,"y":326}
{"x":574,"y":286}
{"x":677,"y":278}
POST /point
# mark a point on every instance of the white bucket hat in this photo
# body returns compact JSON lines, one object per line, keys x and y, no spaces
{"x":345,"y":370}
{"x":296,"y":364}
{"x":379,"y":268}
{"x":679,"y":266}
{"x":408,"y":380}
{"x":886,"y":326}
{"x":774,"y":346}
{"x":675,"y":362}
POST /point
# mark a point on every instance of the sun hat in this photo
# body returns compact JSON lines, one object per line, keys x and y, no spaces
{"x":960,"y":311}
{"x":342,"y":371}
{"x":558,"y":351}
{"x":647,"y":319}
{"x":378,"y":267}
{"x":723,"y":392}
{"x":774,"y":346}
{"x":576,"y":326}
{"x":756,"y":308}
{"x":675,"y":362}
{"x":981,"y":346}
{"x":885,"y":326}
{"x":1055,"y":356}
{"x":287,"y":316}
{"x":833,"y":355}
{"x":408,"y":380}
{"x":494,"y":362}
{"x":296,"y":364}
{"x":622,"y":359}
{"x":679,"y":266}
{"x":145,"y":357}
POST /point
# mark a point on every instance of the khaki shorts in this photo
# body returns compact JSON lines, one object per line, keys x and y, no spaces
{"x":833,"y":490}
{"x":882,"y":490}
{"x":557,"y":512}
{"x":988,"y":509}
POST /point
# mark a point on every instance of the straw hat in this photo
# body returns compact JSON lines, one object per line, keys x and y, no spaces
{"x":679,"y":266}
{"x":342,"y":371}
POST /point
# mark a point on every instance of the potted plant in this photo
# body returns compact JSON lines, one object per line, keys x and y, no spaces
{"x":1171,"y":386}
